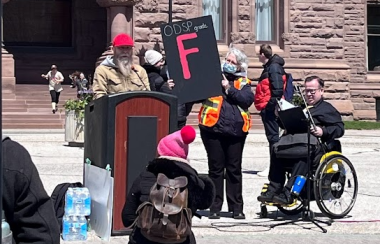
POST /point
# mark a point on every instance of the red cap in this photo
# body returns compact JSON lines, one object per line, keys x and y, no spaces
{"x":122,"y":40}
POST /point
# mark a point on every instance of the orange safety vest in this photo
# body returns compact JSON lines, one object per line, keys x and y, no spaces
{"x":210,"y":110}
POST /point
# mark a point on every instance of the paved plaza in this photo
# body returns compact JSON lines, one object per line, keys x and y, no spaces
{"x":58,"y":163}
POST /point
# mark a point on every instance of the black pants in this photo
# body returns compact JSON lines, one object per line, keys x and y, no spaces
{"x":184,"y":110}
{"x":54,"y":96}
{"x":278,"y":167}
{"x":224,"y":155}
{"x":270,"y":125}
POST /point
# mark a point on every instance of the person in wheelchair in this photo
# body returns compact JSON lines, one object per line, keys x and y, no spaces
{"x":329,"y":126}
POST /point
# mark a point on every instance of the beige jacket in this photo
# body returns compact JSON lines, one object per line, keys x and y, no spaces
{"x":107,"y":79}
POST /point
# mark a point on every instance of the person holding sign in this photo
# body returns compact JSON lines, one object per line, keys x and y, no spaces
{"x":224,"y":122}
{"x":117,"y":73}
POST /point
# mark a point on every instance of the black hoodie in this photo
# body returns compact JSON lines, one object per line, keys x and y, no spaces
{"x":201,"y":192}
{"x":157,"y":80}
{"x":28,"y":208}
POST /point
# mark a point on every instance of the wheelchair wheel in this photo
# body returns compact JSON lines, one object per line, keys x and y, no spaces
{"x":335,"y":186}
{"x":292,"y":209}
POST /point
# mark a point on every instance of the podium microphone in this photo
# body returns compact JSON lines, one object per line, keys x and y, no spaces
{"x":135,"y":70}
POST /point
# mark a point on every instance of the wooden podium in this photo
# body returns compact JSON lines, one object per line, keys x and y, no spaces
{"x":123,"y":130}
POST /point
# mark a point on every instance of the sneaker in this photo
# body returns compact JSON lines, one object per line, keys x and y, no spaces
{"x":239,"y":215}
{"x":284,"y":198}
{"x":263,"y":173}
{"x":214,"y":215}
{"x":266,"y":196}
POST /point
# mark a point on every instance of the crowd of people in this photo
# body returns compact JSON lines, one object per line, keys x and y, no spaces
{"x":224,"y":123}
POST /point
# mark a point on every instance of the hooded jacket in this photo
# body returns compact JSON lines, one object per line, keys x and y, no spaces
{"x":201,"y":192}
{"x":28,"y":208}
{"x":109,"y":80}
{"x":156,"y":80}
{"x":271,"y":84}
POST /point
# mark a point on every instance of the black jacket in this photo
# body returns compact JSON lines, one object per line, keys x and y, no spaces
{"x":28,"y":208}
{"x":230,"y":121}
{"x":329,"y":119}
{"x":274,"y":70}
{"x":157,"y":79}
{"x":201,"y":192}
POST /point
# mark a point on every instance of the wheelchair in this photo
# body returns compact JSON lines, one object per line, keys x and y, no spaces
{"x":334,"y":187}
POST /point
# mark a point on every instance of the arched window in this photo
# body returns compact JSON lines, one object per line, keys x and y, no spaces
{"x":38,"y":23}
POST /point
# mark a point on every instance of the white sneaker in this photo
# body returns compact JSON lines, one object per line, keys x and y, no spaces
{"x":263,"y":173}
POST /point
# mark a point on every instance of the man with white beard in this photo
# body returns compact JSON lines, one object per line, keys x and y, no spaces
{"x":117,"y":73}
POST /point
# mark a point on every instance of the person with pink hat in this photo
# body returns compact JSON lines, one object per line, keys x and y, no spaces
{"x":117,"y":73}
{"x":172,"y":162}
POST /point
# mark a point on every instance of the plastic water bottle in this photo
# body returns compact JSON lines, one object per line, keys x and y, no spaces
{"x":74,"y":228}
{"x":78,"y":202}
{"x":69,"y":201}
{"x":83,"y":228}
{"x":86,"y":202}
{"x":6,"y":233}
{"x":66,"y":227}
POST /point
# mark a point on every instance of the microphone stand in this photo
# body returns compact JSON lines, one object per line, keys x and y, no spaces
{"x":307,"y":214}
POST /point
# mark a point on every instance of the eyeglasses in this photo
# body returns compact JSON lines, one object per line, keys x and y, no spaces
{"x":311,"y":91}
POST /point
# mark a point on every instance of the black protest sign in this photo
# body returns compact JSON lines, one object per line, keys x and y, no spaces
{"x":193,"y":59}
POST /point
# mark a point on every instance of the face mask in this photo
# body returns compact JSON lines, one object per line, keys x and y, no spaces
{"x":229,"y":68}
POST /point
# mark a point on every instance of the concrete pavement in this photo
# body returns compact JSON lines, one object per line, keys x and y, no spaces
{"x":59,"y":163}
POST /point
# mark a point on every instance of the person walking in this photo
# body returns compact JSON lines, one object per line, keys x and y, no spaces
{"x":55,"y":79}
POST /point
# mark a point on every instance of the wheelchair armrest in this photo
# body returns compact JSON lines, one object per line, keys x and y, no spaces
{"x":333,"y":145}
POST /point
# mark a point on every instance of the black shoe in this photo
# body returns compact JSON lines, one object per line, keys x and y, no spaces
{"x":284,"y":198}
{"x":266,"y":196}
{"x":214,"y":215}
{"x":239,"y":215}
{"x":53,"y":111}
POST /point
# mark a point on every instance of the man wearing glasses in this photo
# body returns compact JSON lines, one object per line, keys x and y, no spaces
{"x":328,"y":127}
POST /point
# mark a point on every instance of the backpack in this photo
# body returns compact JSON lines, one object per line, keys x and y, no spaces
{"x":58,"y":198}
{"x":165,"y":218}
{"x":289,"y":89}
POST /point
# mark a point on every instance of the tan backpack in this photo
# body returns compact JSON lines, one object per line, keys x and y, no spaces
{"x":165,"y":218}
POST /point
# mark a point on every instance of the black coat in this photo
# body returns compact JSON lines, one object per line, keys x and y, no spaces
{"x":230,"y":121}
{"x":157,"y":79}
{"x":329,"y":119}
{"x":28,"y":208}
{"x":201,"y":192}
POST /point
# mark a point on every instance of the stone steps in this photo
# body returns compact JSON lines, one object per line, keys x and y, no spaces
{"x":30,"y":108}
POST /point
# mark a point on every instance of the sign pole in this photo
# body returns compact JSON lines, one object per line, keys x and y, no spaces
{"x":1,"y":105}
{"x":170,"y":11}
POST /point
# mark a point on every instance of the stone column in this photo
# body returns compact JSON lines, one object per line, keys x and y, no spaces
{"x":119,"y":20}
{"x":8,"y":65}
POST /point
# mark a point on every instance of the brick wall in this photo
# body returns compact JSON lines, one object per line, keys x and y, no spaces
{"x":317,"y":29}
{"x":150,"y":14}
{"x":355,"y":39}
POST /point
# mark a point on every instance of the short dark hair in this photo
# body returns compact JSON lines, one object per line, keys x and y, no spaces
{"x":266,"y":49}
{"x":314,"y":77}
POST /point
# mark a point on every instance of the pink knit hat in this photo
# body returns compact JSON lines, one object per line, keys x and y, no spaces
{"x":177,"y":143}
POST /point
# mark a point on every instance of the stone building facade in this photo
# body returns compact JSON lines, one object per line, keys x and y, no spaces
{"x":327,"y":38}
